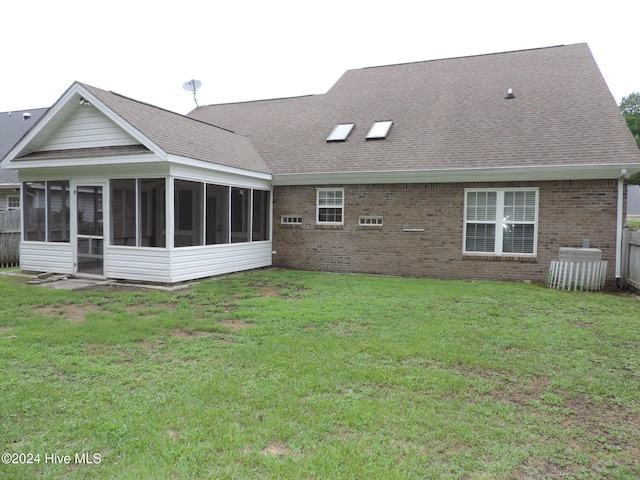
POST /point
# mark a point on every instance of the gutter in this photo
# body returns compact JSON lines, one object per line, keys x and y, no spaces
{"x":619,"y":225}
{"x":459,"y":175}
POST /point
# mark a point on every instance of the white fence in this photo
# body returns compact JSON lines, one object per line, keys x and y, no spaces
{"x":576,"y":275}
{"x":631,"y":259}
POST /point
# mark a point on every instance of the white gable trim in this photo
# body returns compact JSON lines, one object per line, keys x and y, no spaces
{"x":106,"y":160}
{"x":211,"y":166}
{"x":56,"y":115}
{"x":118,"y":120}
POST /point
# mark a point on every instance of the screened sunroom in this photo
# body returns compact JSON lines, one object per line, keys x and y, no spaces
{"x":160,"y":229}
{"x":116,"y":188}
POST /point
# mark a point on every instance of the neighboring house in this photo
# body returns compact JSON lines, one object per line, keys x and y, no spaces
{"x":473,"y":167}
{"x":13,"y":125}
{"x":633,"y":201}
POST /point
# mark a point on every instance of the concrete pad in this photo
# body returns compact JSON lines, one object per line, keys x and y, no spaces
{"x":73,"y":284}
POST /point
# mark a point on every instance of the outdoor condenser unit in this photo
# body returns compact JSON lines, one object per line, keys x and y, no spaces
{"x":578,"y":269}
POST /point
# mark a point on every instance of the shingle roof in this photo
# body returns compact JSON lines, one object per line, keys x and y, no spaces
{"x":12,"y":127}
{"x":179,"y":135}
{"x":447,"y":114}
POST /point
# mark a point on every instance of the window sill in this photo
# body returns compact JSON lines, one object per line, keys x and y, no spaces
{"x":329,"y":226}
{"x":501,"y":258}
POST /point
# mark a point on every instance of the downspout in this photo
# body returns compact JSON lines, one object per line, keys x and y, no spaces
{"x":619,"y":225}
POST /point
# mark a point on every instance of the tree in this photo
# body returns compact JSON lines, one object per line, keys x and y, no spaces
{"x":630,"y":108}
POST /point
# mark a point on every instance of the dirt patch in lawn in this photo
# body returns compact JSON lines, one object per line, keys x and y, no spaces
{"x":267,"y":290}
{"x":146,"y":311}
{"x":603,"y":426}
{"x":191,"y":334}
{"x":215,"y":336}
{"x":73,"y":313}
{"x":595,"y":427}
{"x":516,"y":391}
{"x":281,"y":291}
{"x":347,"y":329}
{"x":4,"y":329}
{"x":276,"y":449}
{"x":147,"y":345}
{"x":235,"y":325}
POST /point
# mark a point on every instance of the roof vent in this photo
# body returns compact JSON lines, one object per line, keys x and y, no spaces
{"x":510,"y":94}
{"x":26,"y":116}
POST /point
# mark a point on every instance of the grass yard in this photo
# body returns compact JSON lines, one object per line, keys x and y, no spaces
{"x":299,"y":375}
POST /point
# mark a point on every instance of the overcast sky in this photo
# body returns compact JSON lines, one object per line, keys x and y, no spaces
{"x":248,"y":50}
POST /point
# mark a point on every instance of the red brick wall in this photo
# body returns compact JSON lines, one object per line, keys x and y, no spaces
{"x":569,"y":211}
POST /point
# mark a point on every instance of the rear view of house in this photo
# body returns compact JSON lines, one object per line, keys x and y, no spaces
{"x":474,"y":167}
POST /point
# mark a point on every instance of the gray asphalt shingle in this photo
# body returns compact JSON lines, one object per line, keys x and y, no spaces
{"x":449,"y":113}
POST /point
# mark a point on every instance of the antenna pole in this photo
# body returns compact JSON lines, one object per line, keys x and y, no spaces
{"x":193,"y":83}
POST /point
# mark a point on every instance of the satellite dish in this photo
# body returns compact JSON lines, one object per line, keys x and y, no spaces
{"x":192,"y":86}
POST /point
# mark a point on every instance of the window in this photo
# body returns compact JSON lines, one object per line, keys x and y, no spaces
{"x":58,"y":223}
{"x":379,"y":130}
{"x":138,"y":212}
{"x":340,"y":132}
{"x":370,"y":221}
{"x":204,"y":214}
{"x":501,"y":221}
{"x":330,"y":206}
{"x":240,"y":202}
{"x":260,"y":225}
{"x":46,"y":211}
{"x":13,"y":202}
{"x":123,"y":212}
{"x":34,"y":202}
{"x":152,"y":214}
{"x":291,"y":219}
{"x":217,"y":224}
{"x":189,"y":214}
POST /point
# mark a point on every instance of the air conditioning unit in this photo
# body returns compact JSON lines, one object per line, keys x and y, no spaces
{"x":578,"y":269}
{"x":570,"y":254}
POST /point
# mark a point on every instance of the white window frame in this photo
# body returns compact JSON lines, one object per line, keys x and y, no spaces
{"x":370,"y":221}
{"x":9,"y":197}
{"x":500,"y":220}
{"x":319,"y":194}
{"x":291,"y":219}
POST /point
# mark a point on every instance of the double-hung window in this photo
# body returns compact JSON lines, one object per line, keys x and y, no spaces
{"x":330,"y":206}
{"x":13,"y":202}
{"x":501,"y":221}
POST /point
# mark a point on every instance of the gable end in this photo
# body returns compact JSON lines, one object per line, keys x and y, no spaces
{"x":87,"y":127}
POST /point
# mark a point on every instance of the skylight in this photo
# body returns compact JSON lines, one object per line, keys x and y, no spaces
{"x":379,"y":129}
{"x":340,"y":132}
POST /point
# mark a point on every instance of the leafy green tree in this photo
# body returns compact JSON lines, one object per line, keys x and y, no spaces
{"x":630,"y":108}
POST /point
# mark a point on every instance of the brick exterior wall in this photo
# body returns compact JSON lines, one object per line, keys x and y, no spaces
{"x":569,"y":211}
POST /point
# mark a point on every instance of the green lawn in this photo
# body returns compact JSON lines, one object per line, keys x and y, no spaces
{"x":299,"y":375}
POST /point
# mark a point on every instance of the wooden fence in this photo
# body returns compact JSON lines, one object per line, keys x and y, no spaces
{"x":9,"y":238}
{"x":631,"y":259}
